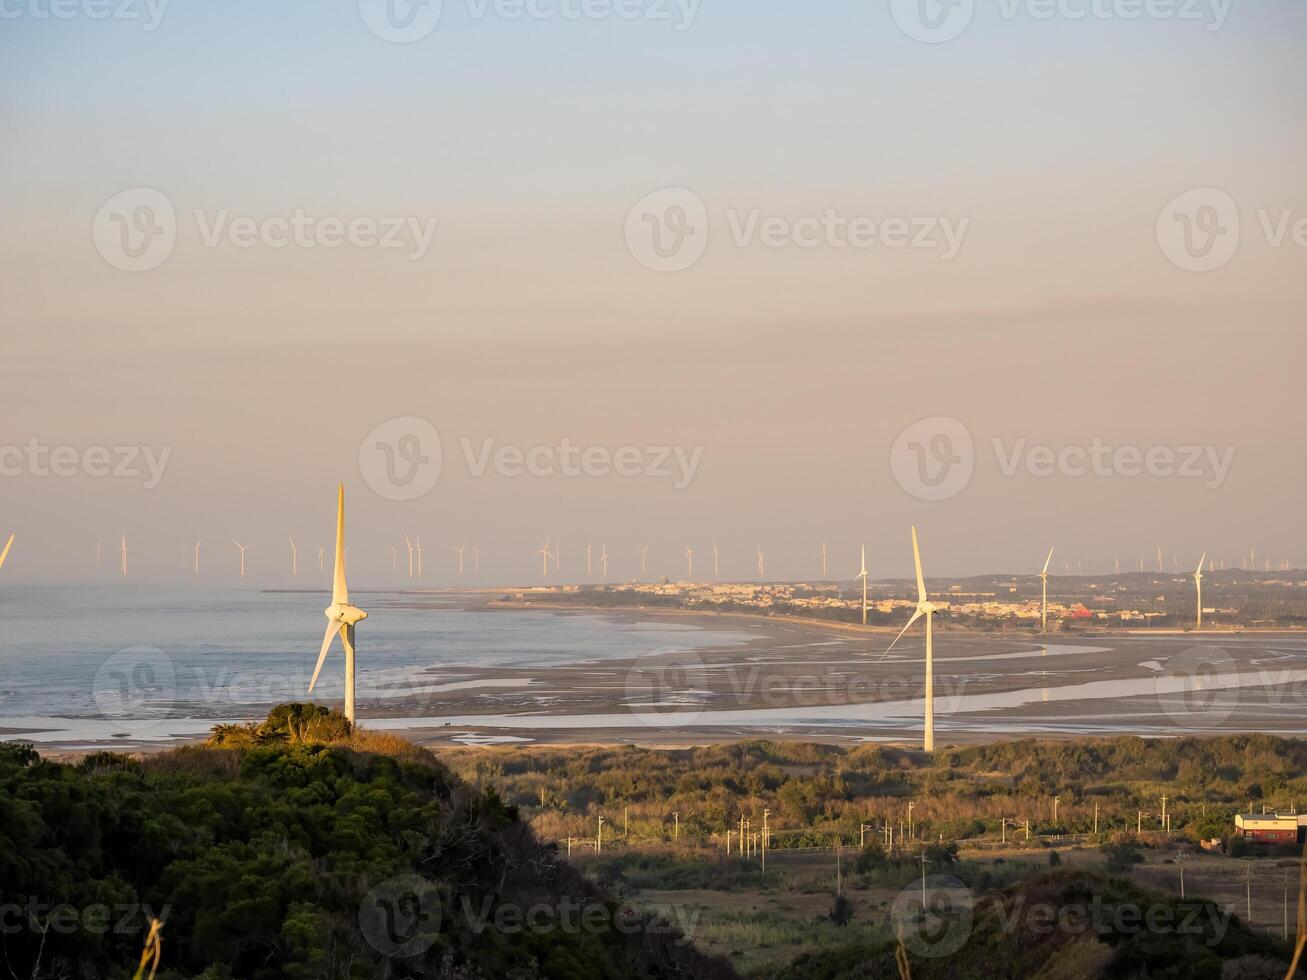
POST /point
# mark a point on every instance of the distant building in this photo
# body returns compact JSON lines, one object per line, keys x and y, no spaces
{"x":1271,"y":828}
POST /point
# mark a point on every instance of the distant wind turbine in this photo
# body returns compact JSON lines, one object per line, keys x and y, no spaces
{"x":689,"y":562}
{"x":863,"y":575}
{"x":460,"y":549}
{"x":197,"y":556}
{"x":545,"y":556}
{"x":589,"y":570}
{"x":122,"y":553}
{"x":716,"y":561}
{"x":243,"y":548}
{"x":476,"y":558}
{"x":1043,"y":611}
{"x":322,"y":558}
{"x":603,"y":560}
{"x":644,"y":559}
{"x":409,"y":544}
{"x":823,"y":560}
{"x":762,"y":564}
{"x":928,"y":609}
{"x":417,"y":543}
{"x":394,"y":558}
{"x":294,"y":559}
{"x":1159,"y":558}
{"x":1198,"y":584}
{"x":341,"y":616}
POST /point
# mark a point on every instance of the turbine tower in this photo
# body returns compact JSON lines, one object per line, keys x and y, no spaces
{"x":394,"y":558}
{"x":716,"y":561}
{"x":243,"y":548}
{"x":928,"y":609}
{"x":341,"y":616}
{"x":1043,"y":609}
{"x":417,"y":543}
{"x":545,"y":556}
{"x":1198,"y":584}
{"x":589,"y":568}
{"x":5,"y":554}
{"x":644,"y":559}
{"x":762,"y":563}
{"x":689,"y":562}
{"x":197,"y":556}
{"x":863,"y":575}
{"x":294,"y":559}
{"x":823,"y":561}
{"x":460,"y":549}
{"x":409,"y":544}
{"x":603,"y":560}
{"x":122,"y":553}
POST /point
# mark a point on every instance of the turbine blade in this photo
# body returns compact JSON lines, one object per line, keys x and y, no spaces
{"x":339,"y":590}
{"x":332,"y":630}
{"x":5,"y":554}
{"x":1201,"y":562}
{"x":1049,"y":562}
{"x":915,"y":616}
{"x":916,"y":556}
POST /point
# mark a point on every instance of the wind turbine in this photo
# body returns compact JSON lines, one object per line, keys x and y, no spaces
{"x":243,"y":548}
{"x":341,"y":616}
{"x":5,"y":554}
{"x":689,"y":561}
{"x":928,"y":609}
{"x":408,"y":543}
{"x":545,"y":556}
{"x":762,"y":564}
{"x":589,"y":570}
{"x":294,"y":559}
{"x":603,"y":560}
{"x":863,"y":575}
{"x":417,"y":543}
{"x":823,"y":561}
{"x":716,"y":561}
{"x":197,"y":556}
{"x":1198,"y":584}
{"x":644,"y":559}
{"x":122,"y":553}
{"x":1043,"y":609}
{"x":460,"y":549}
{"x":476,"y":558}
{"x":322,"y":552}
{"x":394,"y":558}
{"x":1159,"y":558}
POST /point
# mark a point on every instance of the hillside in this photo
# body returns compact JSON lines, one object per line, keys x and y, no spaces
{"x":298,"y":849}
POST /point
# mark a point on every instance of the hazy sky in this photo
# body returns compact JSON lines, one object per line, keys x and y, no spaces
{"x":1037,"y":162}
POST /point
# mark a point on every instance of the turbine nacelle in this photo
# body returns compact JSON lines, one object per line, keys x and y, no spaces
{"x":344,"y":614}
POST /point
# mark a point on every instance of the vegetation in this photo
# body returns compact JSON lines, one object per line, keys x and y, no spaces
{"x":298,"y":848}
{"x":817,"y":794}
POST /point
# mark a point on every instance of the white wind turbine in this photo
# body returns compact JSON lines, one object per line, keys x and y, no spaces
{"x":1198,"y":584}
{"x":928,"y":609}
{"x":603,"y":560}
{"x":589,"y":569}
{"x":863,"y":575}
{"x":1043,"y":609}
{"x":762,"y":564}
{"x":341,"y":616}
{"x":5,"y":554}
{"x":417,"y":544}
{"x":197,"y":556}
{"x":1159,"y":558}
{"x":716,"y":561}
{"x":545,"y":556}
{"x":823,"y":561}
{"x":242,"y":548}
{"x":122,"y":553}
{"x":294,"y":559}
{"x":644,"y":559}
{"x":476,"y":558}
{"x":409,"y":545}
{"x":460,"y":549}
{"x":689,"y":562}
{"x":394,"y":558}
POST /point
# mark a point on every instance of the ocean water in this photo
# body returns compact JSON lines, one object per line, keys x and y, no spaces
{"x":130,"y":652}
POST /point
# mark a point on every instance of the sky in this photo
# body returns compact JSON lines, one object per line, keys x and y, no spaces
{"x":1020,"y":273}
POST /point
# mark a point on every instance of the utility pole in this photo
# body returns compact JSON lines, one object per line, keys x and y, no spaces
{"x":626,"y":822}
{"x":911,"y":804}
{"x":1095,"y":819}
{"x":1164,"y":825}
{"x":1027,"y":830}
{"x":1248,"y":892}
{"x":765,"y":815}
{"x":839,"y":880}
{"x":924,"y":862}
{"x":1179,"y":859}
{"x":676,"y":825}
{"x":862,"y":834}
{"x":599,"y":841}
{"x":1056,"y":801}
{"x":569,"y":848}
{"x":1286,"y":905}
{"x":1139,"y":822}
